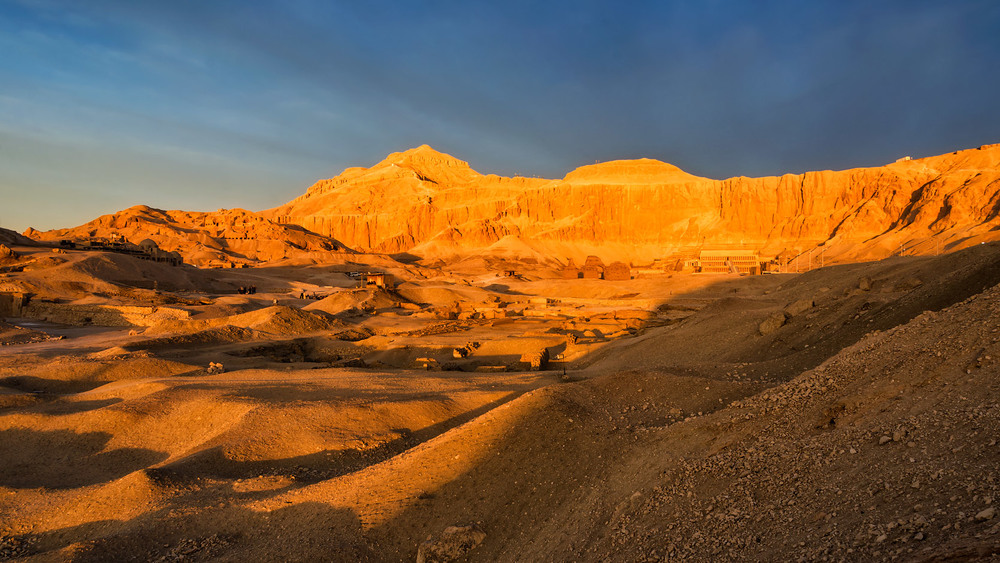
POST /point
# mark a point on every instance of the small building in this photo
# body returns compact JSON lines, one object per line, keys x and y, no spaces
{"x":378,"y":279}
{"x":149,"y":246}
{"x":618,"y":271}
{"x":729,"y":262}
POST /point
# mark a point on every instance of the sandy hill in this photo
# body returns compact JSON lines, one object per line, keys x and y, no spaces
{"x":864,"y":429}
{"x":205,"y":239}
{"x":643,"y":209}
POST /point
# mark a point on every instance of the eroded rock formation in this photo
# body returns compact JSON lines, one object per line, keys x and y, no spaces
{"x":427,"y":202}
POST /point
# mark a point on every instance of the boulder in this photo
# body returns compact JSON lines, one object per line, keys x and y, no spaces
{"x":798,"y":307}
{"x":773,"y":322}
{"x":6,"y":253}
{"x":454,"y":542}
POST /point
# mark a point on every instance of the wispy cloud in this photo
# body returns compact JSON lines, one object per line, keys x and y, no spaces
{"x":255,"y":100}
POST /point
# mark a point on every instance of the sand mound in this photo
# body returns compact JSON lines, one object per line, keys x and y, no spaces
{"x":79,"y":375}
{"x":442,"y":295}
{"x":346,"y":300}
{"x":217,"y":335}
{"x":277,"y":320}
{"x":109,"y":353}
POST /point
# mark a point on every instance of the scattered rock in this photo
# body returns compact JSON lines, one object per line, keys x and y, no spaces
{"x":987,"y":514}
{"x":452,"y":543}
{"x":12,"y":547}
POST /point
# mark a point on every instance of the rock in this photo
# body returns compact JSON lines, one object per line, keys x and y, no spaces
{"x":884,"y":440}
{"x":6,"y":253}
{"x":987,"y":514}
{"x":214,"y":368}
{"x":772,"y":323}
{"x":908,"y":284}
{"x":798,"y":307}
{"x":449,"y":545}
{"x":865,"y":284}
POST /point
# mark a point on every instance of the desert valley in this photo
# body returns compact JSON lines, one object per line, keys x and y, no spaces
{"x":416,"y":361}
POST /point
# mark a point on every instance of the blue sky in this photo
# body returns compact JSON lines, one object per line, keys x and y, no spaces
{"x":205,"y":104}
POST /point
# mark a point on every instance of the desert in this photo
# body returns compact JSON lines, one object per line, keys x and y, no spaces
{"x":416,"y":361}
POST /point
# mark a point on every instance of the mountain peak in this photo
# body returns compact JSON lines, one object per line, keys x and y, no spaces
{"x":422,"y":156}
{"x":430,"y":164}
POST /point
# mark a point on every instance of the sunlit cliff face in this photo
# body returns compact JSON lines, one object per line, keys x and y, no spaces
{"x":418,"y":196}
{"x":434,"y":206}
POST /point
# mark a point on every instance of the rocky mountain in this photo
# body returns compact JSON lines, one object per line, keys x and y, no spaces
{"x":435,"y":206}
{"x":430,"y":204}
{"x":222,"y":238}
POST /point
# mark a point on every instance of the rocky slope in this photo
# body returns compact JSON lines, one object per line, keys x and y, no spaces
{"x":221,"y":238}
{"x":428,"y":203}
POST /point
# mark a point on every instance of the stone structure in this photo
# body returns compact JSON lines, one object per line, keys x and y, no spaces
{"x":570,"y":271}
{"x":378,"y":279}
{"x":535,"y":361}
{"x":729,"y":262}
{"x":618,"y":271}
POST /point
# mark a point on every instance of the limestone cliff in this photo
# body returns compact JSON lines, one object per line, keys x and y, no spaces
{"x":433,"y":205}
{"x":421,"y":200}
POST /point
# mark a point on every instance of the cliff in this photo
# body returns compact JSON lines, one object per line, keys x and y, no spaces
{"x":435,"y":206}
{"x":429,"y":203}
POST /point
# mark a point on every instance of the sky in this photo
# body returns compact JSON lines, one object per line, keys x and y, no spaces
{"x":207,"y":104}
